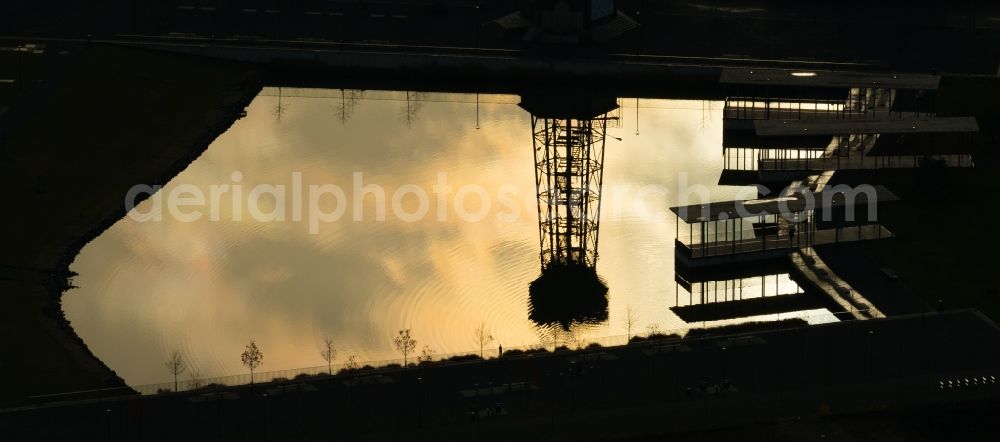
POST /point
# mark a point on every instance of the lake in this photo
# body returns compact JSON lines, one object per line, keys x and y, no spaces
{"x":456,"y":247}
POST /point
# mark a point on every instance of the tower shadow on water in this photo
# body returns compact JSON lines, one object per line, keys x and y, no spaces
{"x":568,"y":132}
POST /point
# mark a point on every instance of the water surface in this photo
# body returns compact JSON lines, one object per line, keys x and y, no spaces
{"x":207,"y":287}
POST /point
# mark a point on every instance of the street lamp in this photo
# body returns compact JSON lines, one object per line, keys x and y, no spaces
{"x":107,"y":420}
{"x":723,"y":363}
{"x":871,"y":355}
{"x":264,"y":419}
{"x":420,"y":402}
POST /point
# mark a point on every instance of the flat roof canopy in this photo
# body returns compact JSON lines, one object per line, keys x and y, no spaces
{"x":852,"y":127}
{"x":699,"y":213}
{"x":574,"y":104}
{"x":811,"y":78}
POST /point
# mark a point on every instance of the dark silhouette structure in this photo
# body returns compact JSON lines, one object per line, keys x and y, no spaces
{"x":569,"y":129}
{"x":568,"y":295}
{"x":564,"y":21}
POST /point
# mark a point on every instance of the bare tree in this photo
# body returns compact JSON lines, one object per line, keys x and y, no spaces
{"x":629,"y":320}
{"x":553,"y":339}
{"x":575,"y":336}
{"x":544,"y":340}
{"x":329,"y":353}
{"x":405,"y":344}
{"x":351,"y":363}
{"x":483,"y":337}
{"x":426,"y":354}
{"x":252,"y":357}
{"x":176,"y":365}
{"x":195,"y":382}
{"x":652,"y":330}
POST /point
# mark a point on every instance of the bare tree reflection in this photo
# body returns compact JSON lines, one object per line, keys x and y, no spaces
{"x":349,"y":98}
{"x":412,"y":106}
{"x":706,"y":114}
{"x":279,"y":109}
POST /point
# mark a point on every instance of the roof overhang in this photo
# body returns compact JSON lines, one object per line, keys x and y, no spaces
{"x":833,"y":79}
{"x":768,"y":128}
{"x":784,"y":205}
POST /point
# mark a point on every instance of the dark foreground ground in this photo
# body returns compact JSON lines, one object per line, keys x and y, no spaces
{"x":914,"y":375}
{"x":945,"y":223}
{"x":91,"y":122}
{"x":912,"y":35}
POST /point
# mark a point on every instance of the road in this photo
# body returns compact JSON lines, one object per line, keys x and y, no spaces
{"x":904,"y":35}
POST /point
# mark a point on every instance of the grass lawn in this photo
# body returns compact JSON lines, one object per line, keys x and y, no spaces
{"x":121,"y":116}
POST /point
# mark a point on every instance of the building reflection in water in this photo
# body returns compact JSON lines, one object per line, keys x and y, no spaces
{"x":761,"y":291}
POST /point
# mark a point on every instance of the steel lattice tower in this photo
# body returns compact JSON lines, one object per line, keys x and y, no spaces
{"x":568,"y":128}
{"x":569,"y":165}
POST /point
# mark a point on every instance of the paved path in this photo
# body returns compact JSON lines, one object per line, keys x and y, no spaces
{"x":856,"y":266}
{"x":811,"y":267}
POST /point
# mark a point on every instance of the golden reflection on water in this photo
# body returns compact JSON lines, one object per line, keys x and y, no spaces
{"x":207,"y":287}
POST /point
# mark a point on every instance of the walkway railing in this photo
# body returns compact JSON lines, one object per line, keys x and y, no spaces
{"x":571,"y":340}
{"x":652,"y":337}
{"x":784,"y":240}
